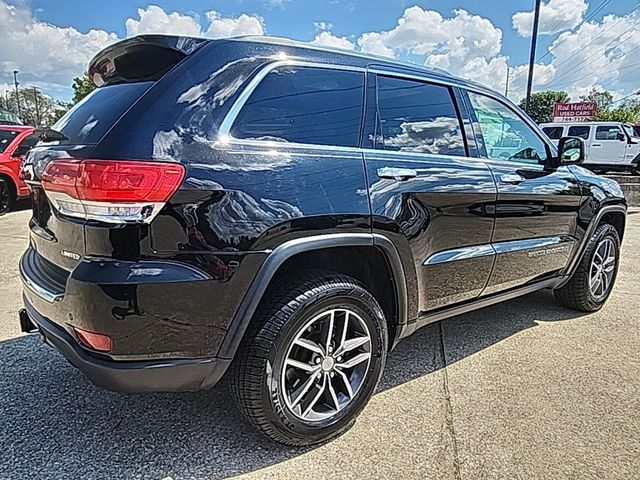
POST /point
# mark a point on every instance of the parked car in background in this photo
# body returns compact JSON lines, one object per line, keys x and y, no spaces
{"x":286,"y":214}
{"x":9,"y":118}
{"x":610,"y":146}
{"x":15,"y":142}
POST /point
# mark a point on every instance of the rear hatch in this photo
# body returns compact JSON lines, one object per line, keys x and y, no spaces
{"x":78,"y":200}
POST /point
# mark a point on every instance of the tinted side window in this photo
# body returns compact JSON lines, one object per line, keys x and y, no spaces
{"x":580,"y":131}
{"x":554,"y":133}
{"x":26,"y":144}
{"x":89,"y":120}
{"x":506,"y":135}
{"x":418,"y":117}
{"x":6,"y":138}
{"x":607,"y":132}
{"x":304,"y":105}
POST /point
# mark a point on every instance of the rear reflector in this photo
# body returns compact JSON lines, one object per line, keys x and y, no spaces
{"x":96,"y":341}
{"x":115,"y":191}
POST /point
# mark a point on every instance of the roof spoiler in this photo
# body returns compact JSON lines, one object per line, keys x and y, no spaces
{"x":145,"y":57}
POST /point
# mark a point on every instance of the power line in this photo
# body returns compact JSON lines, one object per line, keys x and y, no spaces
{"x":556,"y":85}
{"x":598,"y":9}
{"x":600,"y":35}
{"x":568,"y":75}
{"x":624,"y":98}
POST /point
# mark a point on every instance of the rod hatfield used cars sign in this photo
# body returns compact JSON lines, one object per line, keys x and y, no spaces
{"x":574,"y":112}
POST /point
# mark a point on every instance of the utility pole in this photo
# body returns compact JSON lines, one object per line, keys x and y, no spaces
{"x":15,"y":82}
{"x":35,"y":100}
{"x":532,"y":57}
{"x":506,"y":87}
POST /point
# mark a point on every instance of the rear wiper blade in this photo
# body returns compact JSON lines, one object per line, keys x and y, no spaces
{"x":47,"y":134}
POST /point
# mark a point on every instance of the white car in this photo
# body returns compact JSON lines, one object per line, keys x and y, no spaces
{"x":608,"y":145}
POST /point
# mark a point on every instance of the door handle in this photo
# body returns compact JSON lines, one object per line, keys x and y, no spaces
{"x":511,"y":179}
{"x":399,"y":174}
{"x":596,"y":144}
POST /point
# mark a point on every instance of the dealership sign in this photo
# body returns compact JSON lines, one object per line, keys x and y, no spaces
{"x":574,"y":112}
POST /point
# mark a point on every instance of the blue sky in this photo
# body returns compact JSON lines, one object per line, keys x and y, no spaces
{"x":61,"y":36}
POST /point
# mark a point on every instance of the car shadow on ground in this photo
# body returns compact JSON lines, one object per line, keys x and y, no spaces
{"x":55,"y":424}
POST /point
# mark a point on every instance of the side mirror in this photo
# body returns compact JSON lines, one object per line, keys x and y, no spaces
{"x":620,"y":136}
{"x":570,"y":151}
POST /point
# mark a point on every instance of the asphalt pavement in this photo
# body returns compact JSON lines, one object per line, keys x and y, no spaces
{"x":521,"y":390}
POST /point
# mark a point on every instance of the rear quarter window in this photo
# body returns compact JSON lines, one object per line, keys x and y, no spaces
{"x":305,"y":105}
{"x":89,"y":120}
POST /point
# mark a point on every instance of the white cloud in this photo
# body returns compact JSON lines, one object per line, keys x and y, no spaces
{"x":154,"y":19}
{"x":322,"y":26}
{"x":330,"y":40}
{"x":604,"y":54}
{"x":46,"y":55}
{"x":49,"y":56}
{"x":470,"y":46}
{"x":373,"y":42}
{"x":423,"y":32}
{"x":244,"y":24}
{"x":465,"y":44}
{"x":555,"y":16}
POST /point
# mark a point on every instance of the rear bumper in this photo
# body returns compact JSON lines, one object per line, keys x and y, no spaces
{"x":131,"y":377}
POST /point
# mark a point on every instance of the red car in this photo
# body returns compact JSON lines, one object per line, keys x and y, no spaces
{"x":15,"y":141}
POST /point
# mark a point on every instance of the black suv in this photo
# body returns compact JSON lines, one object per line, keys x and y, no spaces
{"x":287,"y":214}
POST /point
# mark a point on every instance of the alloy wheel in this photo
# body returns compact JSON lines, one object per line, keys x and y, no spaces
{"x":326,"y":364}
{"x":5,"y":197}
{"x":602,"y":269}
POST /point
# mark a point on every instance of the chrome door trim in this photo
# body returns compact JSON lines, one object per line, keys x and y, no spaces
{"x":546,"y":245}
{"x":464,"y":253}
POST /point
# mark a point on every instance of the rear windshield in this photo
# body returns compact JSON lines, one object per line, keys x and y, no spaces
{"x":6,"y":137}
{"x":90,"y":119}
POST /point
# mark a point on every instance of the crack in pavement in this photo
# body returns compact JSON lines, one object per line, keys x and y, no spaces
{"x":449,"y":408}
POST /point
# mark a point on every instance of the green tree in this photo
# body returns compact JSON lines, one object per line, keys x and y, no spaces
{"x":541,"y":104}
{"x":82,"y":86}
{"x":35,"y":107}
{"x":602,"y":98}
{"x":628,"y":112}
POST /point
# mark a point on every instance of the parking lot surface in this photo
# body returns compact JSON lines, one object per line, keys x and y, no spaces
{"x":521,"y":390}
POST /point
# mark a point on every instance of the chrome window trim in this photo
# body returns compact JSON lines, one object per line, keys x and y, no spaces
{"x":226,"y":139}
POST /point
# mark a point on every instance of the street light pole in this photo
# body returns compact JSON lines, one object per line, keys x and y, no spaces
{"x":35,"y":100}
{"x":532,"y":57}
{"x":15,"y":82}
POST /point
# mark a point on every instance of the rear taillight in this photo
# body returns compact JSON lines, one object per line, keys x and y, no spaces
{"x":114,"y":191}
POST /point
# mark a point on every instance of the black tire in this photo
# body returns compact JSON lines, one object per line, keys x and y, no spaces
{"x":7,"y":197}
{"x":577,"y":294}
{"x":635,"y":171}
{"x":256,"y":376}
